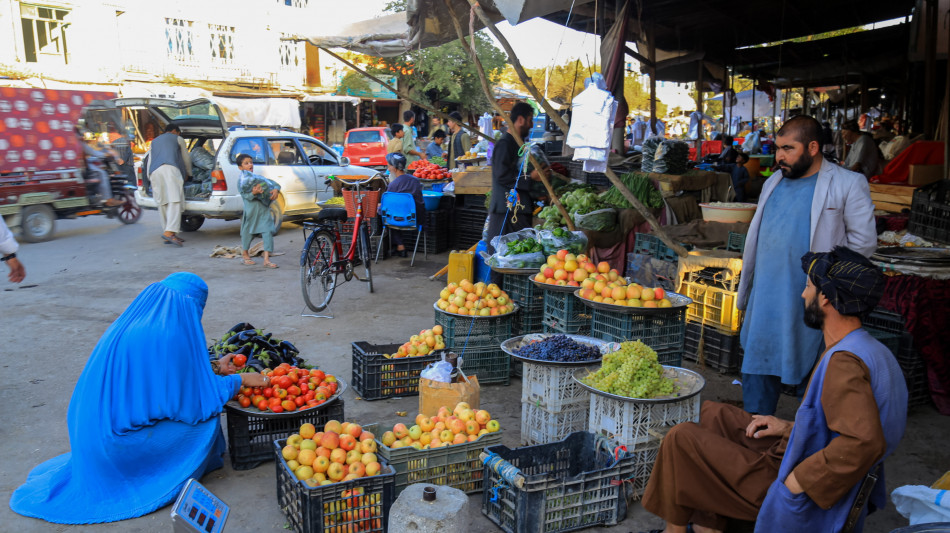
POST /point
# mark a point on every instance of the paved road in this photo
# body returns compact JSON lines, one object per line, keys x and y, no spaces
{"x":78,"y":283}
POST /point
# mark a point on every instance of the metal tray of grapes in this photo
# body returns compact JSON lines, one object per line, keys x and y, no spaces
{"x":688,"y":384}
{"x":512,"y":345}
{"x":435,"y":306}
{"x":678,"y":301}
{"x":340,"y":389}
{"x":553,"y":287}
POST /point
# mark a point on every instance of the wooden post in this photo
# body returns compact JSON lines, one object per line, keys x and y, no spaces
{"x":614,"y":180}
{"x":930,"y":69}
{"x":651,"y":54}
{"x":699,"y":107}
{"x":752,"y":122}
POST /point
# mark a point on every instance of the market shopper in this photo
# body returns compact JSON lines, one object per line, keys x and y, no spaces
{"x":396,"y":164}
{"x":8,"y":248}
{"x":810,"y":204}
{"x":395,"y":144}
{"x":728,"y":154}
{"x":409,"y":148}
{"x":258,"y":194}
{"x":435,"y":148}
{"x":144,"y":416}
{"x":459,"y":140}
{"x":168,"y":167}
{"x":803,"y":476}
{"x":863,"y":155}
{"x":739,"y":173}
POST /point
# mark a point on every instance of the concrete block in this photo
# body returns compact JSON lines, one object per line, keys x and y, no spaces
{"x":410,"y":513}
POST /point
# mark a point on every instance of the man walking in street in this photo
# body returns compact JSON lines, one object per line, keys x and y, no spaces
{"x":809,"y":205}
{"x":409,"y":148}
{"x":459,"y":140}
{"x":169,"y":166}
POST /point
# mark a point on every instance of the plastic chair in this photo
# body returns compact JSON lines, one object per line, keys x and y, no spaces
{"x":398,"y":212}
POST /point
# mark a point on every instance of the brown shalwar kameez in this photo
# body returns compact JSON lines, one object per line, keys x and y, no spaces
{"x":709,"y":471}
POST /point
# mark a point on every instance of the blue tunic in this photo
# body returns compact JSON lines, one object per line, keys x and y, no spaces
{"x":774,"y":336}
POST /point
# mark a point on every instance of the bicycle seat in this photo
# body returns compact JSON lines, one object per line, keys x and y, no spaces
{"x":332,"y":213}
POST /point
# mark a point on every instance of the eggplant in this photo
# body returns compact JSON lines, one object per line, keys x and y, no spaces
{"x":288,"y":347}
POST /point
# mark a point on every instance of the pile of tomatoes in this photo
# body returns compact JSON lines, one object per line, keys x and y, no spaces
{"x":291,"y":389}
{"x":428,"y":171}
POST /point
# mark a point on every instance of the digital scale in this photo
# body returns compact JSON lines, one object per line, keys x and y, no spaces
{"x":197,"y":510}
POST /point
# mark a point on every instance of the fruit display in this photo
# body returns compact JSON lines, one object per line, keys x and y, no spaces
{"x":619,"y":293}
{"x":565,"y":268}
{"x":632,"y":372}
{"x":474,"y":299}
{"x":262,"y":350}
{"x":291,"y":389}
{"x":559,"y":348}
{"x":341,"y":452}
{"x":426,"y":342}
{"x":428,"y":171}
{"x":462,"y":424}
{"x":467,"y":156}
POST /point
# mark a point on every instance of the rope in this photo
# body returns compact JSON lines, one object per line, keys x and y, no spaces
{"x":505,"y":470}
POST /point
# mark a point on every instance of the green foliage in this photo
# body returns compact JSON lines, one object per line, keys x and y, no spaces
{"x":353,"y":83}
{"x":640,"y":185}
{"x":638,"y":98}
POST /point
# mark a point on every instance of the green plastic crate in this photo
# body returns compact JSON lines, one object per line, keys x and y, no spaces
{"x":564,"y":313}
{"x":466,"y":332}
{"x":664,"y":332}
{"x":492,"y":366}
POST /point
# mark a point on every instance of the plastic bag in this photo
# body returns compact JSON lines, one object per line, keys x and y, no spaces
{"x":921,"y":504}
{"x":525,"y":260}
{"x":440,"y":371}
{"x":600,"y":220}
{"x":574,"y":242}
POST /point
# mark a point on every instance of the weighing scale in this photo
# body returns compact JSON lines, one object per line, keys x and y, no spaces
{"x":198,"y":510}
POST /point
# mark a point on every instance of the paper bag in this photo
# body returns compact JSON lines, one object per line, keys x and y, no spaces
{"x":435,"y":394}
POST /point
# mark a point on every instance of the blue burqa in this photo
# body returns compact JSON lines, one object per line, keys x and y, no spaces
{"x":143,"y":417}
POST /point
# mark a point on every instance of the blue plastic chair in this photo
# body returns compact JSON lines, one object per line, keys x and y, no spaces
{"x":398,"y":212}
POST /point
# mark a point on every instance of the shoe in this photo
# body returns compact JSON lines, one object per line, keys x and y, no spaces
{"x":172,"y":240}
{"x":402,"y":253}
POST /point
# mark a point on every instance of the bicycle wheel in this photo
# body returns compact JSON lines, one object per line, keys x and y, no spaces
{"x":317,"y":279}
{"x":365,"y":255}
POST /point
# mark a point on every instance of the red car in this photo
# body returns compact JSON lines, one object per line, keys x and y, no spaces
{"x":366,"y":147}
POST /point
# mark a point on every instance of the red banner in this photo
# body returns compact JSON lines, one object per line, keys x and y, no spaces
{"x":38,"y":128}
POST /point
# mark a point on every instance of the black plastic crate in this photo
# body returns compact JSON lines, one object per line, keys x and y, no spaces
{"x":571,"y":484}
{"x":466,"y":226}
{"x":930,"y":212}
{"x":721,"y":352}
{"x":470,"y":200}
{"x":529,"y":320}
{"x":736,"y":242}
{"x":251,"y":437}
{"x":664,"y":332}
{"x":491,"y":365}
{"x":375,"y":377}
{"x":651,"y":245}
{"x":564,"y":313}
{"x":881,"y":322}
{"x":359,"y":505}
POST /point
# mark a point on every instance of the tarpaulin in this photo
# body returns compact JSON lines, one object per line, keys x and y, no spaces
{"x":284,"y":112}
{"x":919,"y":153}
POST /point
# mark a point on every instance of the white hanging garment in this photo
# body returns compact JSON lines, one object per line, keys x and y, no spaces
{"x":484,"y":124}
{"x":593,"y":112}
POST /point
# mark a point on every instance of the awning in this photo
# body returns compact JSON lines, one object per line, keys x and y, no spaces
{"x":743,"y":107}
{"x":352,"y":100}
{"x":284,"y":112}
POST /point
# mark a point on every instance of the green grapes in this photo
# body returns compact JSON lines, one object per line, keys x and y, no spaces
{"x":633,"y":372}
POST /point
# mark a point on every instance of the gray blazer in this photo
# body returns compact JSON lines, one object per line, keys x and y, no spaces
{"x":841,"y":214}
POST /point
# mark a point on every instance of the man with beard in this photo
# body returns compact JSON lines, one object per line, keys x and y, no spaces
{"x":813,"y":205}
{"x":801,"y":476}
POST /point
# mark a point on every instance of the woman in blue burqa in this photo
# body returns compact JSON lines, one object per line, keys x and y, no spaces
{"x":143,"y":417}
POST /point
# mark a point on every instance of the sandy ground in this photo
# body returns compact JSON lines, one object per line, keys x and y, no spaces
{"x":80,"y":281}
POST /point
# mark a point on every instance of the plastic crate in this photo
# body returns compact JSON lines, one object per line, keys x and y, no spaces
{"x":466,"y":226}
{"x":712,"y":306}
{"x":639,"y":424}
{"x":457,"y":466}
{"x":375,"y":377}
{"x":436,"y":237}
{"x":540,"y":426}
{"x":325,"y":508}
{"x":564,"y":313}
{"x":522,"y":290}
{"x":664,"y":332}
{"x":529,"y":321}
{"x":570,"y":484}
{"x":491,"y":365}
{"x":251,"y":437}
{"x":474,"y":332}
{"x":652,"y":245}
{"x":930,"y":212}
{"x":553,"y":388}
{"x":375,"y":236}
{"x":714,"y":277}
{"x":470,"y":200}
{"x":736,"y":242}
{"x":912,"y":365}
{"x":721,"y":352}
{"x":370,"y":202}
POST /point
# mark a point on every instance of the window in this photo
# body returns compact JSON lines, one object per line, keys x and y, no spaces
{"x":44,"y":32}
{"x":317,"y":154}
{"x":293,"y":3}
{"x":287,"y":152}
{"x":370,"y":136}
{"x":221,"y":40}
{"x":252,"y":146}
{"x":289,"y":54}
{"x":180,"y":36}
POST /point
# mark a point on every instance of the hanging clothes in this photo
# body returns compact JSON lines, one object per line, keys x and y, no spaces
{"x":696,"y":119}
{"x":593,"y":110}
{"x":639,"y":132}
{"x":734,"y":125}
{"x":485,"y":125}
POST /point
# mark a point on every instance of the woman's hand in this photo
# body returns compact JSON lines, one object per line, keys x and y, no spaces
{"x":253,"y":379}
{"x":766,"y":426}
{"x":226,"y":365}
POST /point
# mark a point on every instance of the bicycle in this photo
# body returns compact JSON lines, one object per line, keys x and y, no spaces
{"x":322,"y":259}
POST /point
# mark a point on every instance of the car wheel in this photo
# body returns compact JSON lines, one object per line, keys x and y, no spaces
{"x":37,"y":223}
{"x":192,"y":223}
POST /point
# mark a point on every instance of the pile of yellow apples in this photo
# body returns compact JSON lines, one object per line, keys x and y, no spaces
{"x":475,"y":299}
{"x":462,"y":424}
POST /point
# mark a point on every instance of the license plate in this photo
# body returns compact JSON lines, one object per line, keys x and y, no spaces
{"x":364,"y":160}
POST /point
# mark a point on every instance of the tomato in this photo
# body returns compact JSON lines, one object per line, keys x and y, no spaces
{"x":268,"y":392}
{"x":319,"y":374}
{"x":284,"y":382}
{"x":293,"y":390}
{"x":310,"y":395}
{"x":239,"y":360}
{"x":288,"y":405}
{"x":277,"y":408}
{"x":257,"y":399}
{"x":332,"y":388}
{"x":262,"y":405}
{"x":280,"y":393}
{"x":244,"y":401}
{"x":324,"y":390}
{"x":299,"y":400}
{"x":312,"y":403}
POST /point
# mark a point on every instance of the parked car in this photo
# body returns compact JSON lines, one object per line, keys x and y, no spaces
{"x":366,"y":147}
{"x":299,"y":163}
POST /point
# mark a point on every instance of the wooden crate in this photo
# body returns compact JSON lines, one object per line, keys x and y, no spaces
{"x":891,"y":198}
{"x":474,"y":181}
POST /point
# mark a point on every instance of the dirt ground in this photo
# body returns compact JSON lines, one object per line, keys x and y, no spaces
{"x":78,"y":283}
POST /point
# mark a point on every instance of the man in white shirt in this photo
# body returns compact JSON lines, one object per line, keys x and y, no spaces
{"x":863,"y":155}
{"x":8,"y":248}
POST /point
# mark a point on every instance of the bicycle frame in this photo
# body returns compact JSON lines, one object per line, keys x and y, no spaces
{"x":338,"y":266}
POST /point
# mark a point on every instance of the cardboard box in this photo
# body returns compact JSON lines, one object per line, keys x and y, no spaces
{"x":924,"y":174}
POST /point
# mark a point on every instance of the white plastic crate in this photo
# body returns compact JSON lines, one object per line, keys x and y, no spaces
{"x":639,"y":425}
{"x":553,"y":387}
{"x":540,"y":426}
{"x":643,"y":460}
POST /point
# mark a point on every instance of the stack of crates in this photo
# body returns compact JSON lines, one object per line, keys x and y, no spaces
{"x":531,"y":303}
{"x":552,"y":403}
{"x":882,"y":322}
{"x":436,"y":237}
{"x":477,"y":340}
{"x":665,"y":332}
{"x":467,"y":221}
{"x":713,"y":319}
{"x":565,"y":313}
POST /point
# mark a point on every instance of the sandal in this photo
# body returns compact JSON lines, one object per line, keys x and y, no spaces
{"x":248,"y":262}
{"x":172,"y":240}
{"x":271,"y":265}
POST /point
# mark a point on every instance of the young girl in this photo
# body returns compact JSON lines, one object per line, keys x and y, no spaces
{"x":258,"y":193}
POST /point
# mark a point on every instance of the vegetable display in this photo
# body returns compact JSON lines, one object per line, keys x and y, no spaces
{"x":640,"y":185}
{"x":523,"y":246}
{"x":440,"y":161}
{"x":581,"y":201}
{"x":632,"y":372}
{"x":428,"y":171}
{"x":559,"y":348}
{"x":262,"y":350}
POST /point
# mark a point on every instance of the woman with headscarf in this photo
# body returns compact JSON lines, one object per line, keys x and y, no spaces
{"x":404,"y":183}
{"x":143,"y":417}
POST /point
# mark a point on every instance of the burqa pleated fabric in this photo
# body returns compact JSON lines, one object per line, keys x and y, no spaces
{"x":143,"y":417}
